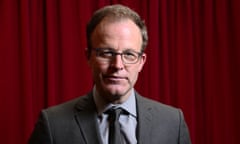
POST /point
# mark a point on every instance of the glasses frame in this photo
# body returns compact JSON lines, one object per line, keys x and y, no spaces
{"x":98,"y":50}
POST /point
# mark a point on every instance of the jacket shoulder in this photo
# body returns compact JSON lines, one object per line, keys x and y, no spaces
{"x":65,"y":110}
{"x":156,"y":105}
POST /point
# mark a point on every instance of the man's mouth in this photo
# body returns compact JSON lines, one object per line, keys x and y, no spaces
{"x":114,"y":78}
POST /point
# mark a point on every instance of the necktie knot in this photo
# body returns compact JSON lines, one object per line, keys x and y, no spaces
{"x":114,"y":114}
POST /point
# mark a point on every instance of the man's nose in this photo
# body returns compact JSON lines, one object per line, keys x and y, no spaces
{"x":117,"y":62}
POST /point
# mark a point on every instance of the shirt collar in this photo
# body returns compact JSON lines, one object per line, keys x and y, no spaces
{"x":129,"y":105}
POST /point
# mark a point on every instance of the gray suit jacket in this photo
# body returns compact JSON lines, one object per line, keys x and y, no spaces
{"x":75,"y":122}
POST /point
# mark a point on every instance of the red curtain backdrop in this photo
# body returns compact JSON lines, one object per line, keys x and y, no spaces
{"x":193,"y":61}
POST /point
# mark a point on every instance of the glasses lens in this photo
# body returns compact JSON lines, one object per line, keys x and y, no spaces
{"x":128,"y":57}
{"x":105,"y":54}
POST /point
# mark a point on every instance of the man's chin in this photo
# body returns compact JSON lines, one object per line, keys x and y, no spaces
{"x":115,"y":88}
{"x":117,"y":92}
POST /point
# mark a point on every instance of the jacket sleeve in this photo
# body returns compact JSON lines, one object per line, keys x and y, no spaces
{"x":41,"y":133}
{"x":184,"y":136}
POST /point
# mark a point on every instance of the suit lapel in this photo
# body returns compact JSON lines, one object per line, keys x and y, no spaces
{"x":144,"y":120}
{"x":86,"y":117}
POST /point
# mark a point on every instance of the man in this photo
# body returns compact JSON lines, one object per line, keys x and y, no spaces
{"x":116,"y":38}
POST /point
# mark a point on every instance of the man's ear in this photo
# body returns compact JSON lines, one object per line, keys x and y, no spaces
{"x":87,"y":53}
{"x":143,"y":61}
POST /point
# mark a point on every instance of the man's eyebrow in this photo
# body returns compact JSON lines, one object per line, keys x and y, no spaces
{"x":106,"y":48}
{"x":112,"y":49}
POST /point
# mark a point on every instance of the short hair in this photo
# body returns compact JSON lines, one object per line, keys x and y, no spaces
{"x":116,"y":12}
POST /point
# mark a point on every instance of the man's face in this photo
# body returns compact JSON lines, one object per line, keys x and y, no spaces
{"x":114,"y":79}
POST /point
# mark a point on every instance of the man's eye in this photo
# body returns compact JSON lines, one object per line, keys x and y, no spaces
{"x":106,"y":54}
{"x":130,"y":55}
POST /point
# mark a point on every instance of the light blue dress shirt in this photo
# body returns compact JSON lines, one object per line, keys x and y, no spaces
{"x":128,"y":123}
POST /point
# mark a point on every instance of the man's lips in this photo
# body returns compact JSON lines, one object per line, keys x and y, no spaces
{"x":114,"y":78}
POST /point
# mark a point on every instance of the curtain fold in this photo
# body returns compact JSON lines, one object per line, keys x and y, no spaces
{"x":193,"y":61}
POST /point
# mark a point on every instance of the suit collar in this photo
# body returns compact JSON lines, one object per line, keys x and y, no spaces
{"x":86,"y":117}
{"x":145,"y":116}
{"x":129,"y":105}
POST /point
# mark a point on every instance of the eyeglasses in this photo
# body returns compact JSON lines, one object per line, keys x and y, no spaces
{"x":127,"y":56}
